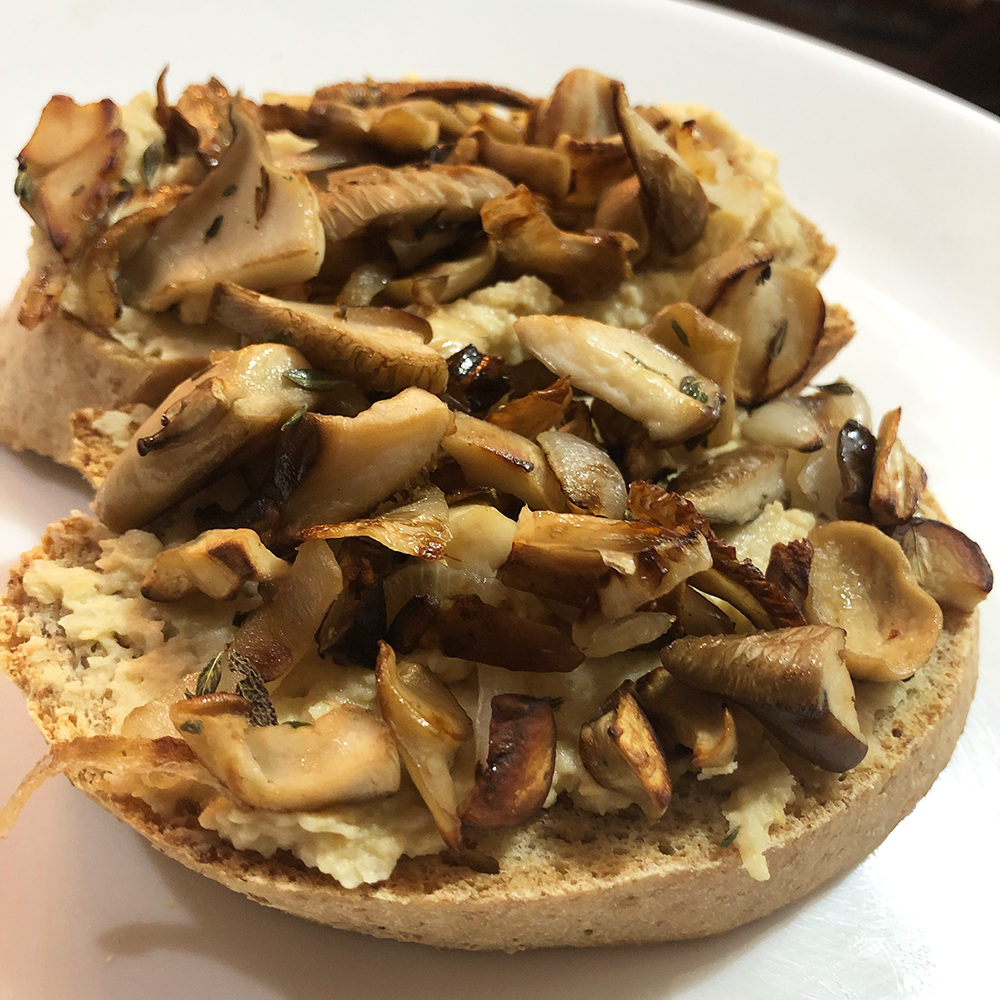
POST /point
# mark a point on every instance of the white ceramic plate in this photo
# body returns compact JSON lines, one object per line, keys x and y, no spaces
{"x":900,"y":177}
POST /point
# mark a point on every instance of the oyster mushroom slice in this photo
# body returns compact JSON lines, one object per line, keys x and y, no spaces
{"x":898,"y":479}
{"x":706,"y":346}
{"x":418,"y":527}
{"x":66,"y":172}
{"x":384,"y":350}
{"x":626,"y":369}
{"x":217,"y":563}
{"x":446,"y":280}
{"x":621,"y":752}
{"x":514,"y":782}
{"x":589,"y":479}
{"x":681,"y":714}
{"x":785,"y":422}
{"x":281,"y":631}
{"x":948,"y":564}
{"x":227,"y":410}
{"x":359,"y":198}
{"x":429,"y":726}
{"x":581,"y":106}
{"x":776,"y":310}
{"x":545,"y":170}
{"x":575,"y":265}
{"x":675,"y":203}
{"x":537,"y":411}
{"x":405,"y":433}
{"x":498,"y":458}
{"x":735,"y":486}
{"x":855,"y":460}
{"x":861,"y":581}
{"x":794,"y":680}
{"x":245,"y":222}
{"x":346,"y":755}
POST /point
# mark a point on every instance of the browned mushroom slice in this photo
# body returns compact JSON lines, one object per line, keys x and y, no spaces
{"x":377,"y":93}
{"x":537,"y":411}
{"x":542,"y":169}
{"x":446,"y":280}
{"x":491,"y":456}
{"x":581,"y":106}
{"x":735,"y":486}
{"x":379,"y":349}
{"x":639,"y":457}
{"x":596,"y":636}
{"x":362,"y":197}
{"x":198,"y":122}
{"x":676,"y":206}
{"x":66,"y":172}
{"x":343,"y":481}
{"x":794,"y":680}
{"x":429,"y":726}
{"x":898,"y":479}
{"x":620,"y":209}
{"x":476,"y":381}
{"x":418,"y":527}
{"x":706,"y":346}
{"x":217,"y":563}
{"x":776,"y":310}
{"x":514,"y":782}
{"x":626,"y":369}
{"x":788,"y":567}
{"x":575,"y":265}
{"x":590,"y":480}
{"x":346,"y":755}
{"x":621,"y":752}
{"x":279,"y":632}
{"x":856,"y":461}
{"x":948,"y":564}
{"x":226,"y":410}
{"x":861,"y":581}
{"x":741,"y":584}
{"x":688,"y":716}
{"x":471,"y":629}
{"x":245,"y":222}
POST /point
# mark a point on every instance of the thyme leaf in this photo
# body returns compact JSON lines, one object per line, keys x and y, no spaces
{"x":152,"y":157}
{"x":764,"y":277}
{"x":681,"y":334}
{"x":208,"y":679}
{"x":778,"y":340}
{"x":727,"y":841}
{"x":312,"y":378}
{"x":691,"y":386}
{"x":213,"y":229}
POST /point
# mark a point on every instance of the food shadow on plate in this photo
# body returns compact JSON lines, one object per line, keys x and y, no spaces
{"x":273,"y":949}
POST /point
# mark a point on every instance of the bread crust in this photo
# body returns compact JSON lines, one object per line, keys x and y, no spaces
{"x":569,"y":878}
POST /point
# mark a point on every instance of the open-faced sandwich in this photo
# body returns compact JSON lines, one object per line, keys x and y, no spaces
{"x":502,"y":574}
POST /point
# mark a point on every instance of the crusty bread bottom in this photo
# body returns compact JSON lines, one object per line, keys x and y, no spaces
{"x":572,"y":878}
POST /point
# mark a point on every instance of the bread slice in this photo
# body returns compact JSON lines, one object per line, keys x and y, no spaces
{"x":567,"y":878}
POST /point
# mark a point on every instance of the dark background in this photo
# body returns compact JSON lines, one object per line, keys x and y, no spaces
{"x":952,"y":44}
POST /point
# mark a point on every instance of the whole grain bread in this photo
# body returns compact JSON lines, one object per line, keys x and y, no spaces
{"x":568,"y":878}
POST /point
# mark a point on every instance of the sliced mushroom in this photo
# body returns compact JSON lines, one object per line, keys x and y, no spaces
{"x":537,"y":411}
{"x":343,"y":482}
{"x":217,"y":563}
{"x":245,"y":222}
{"x":429,"y":726}
{"x":514,"y":782}
{"x":199,"y":122}
{"x":476,"y":381}
{"x":227,"y":410}
{"x":66,"y":173}
{"x":494,"y":457}
{"x":948,"y":564}
{"x":898,"y":479}
{"x":384,"y":350}
{"x":794,"y":680}
{"x":856,"y":461}
{"x":620,"y":209}
{"x":589,"y":479}
{"x":734,"y":486}
{"x":445,"y":280}
{"x":862,"y":582}
{"x":581,"y":106}
{"x":708,"y":347}
{"x":418,"y":527}
{"x":361,"y":198}
{"x":597,"y":637}
{"x":281,"y":631}
{"x":621,"y":752}
{"x":785,"y":422}
{"x":346,"y":755}
{"x":688,"y":716}
{"x":541,"y":168}
{"x":675,"y":203}
{"x":626,"y":369}
{"x":776,"y":310}
{"x":575,"y":265}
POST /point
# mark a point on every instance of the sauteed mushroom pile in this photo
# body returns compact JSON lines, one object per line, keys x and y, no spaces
{"x":521,"y":392}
